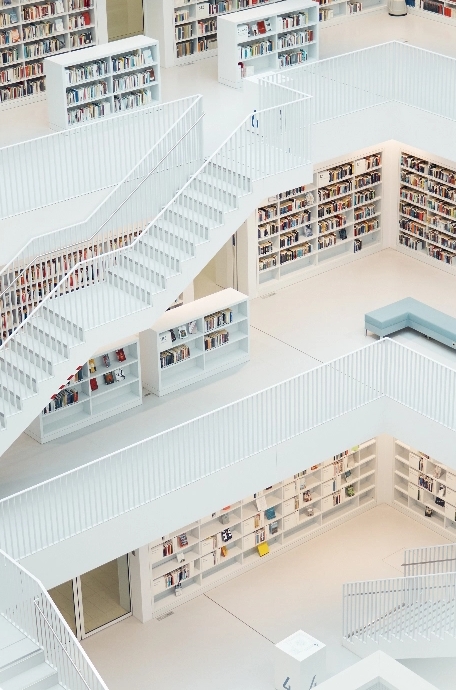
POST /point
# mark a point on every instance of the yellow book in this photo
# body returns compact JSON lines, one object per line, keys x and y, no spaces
{"x":263,"y":549}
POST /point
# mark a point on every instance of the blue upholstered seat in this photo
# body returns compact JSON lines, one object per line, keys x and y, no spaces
{"x":410,"y":313}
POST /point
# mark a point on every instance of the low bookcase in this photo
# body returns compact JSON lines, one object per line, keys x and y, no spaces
{"x":423,"y":485}
{"x":219,"y":546}
{"x":320,"y":224}
{"x":265,"y":39}
{"x":102,"y":81}
{"x":108,"y":384}
{"x":194,"y":341}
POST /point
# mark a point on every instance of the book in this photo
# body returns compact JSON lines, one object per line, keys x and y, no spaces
{"x":108,"y":378}
{"x":261,"y":503}
{"x":92,"y":367}
{"x":121,"y":355}
{"x":106,"y":360}
{"x":263,"y":549}
{"x":93,"y":384}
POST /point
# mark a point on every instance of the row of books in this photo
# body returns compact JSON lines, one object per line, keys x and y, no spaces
{"x":48,"y":47}
{"x":415,"y":197}
{"x":298,"y":252}
{"x":325,"y":193}
{"x":354,"y":7}
{"x":35,"y":69}
{"x":340,"y":171}
{"x":183,"y":31}
{"x":268,"y":262}
{"x":364,"y":196}
{"x":441,"y":207}
{"x":411,"y":242}
{"x":269,"y":229}
{"x":219,"y":318}
{"x":31,"y":31}
{"x":295,"y":220}
{"x":207,"y":26}
{"x":414,"y":163}
{"x":47,"y":9}
{"x":254,"y":49}
{"x":80,"y":40}
{"x":174,"y":355}
{"x":92,"y":111}
{"x":441,"y":190}
{"x":412,"y":211}
{"x":8,"y":18}
{"x":129,"y":101}
{"x":367,"y":179}
{"x":325,"y":15}
{"x":177,"y":576}
{"x":292,"y":192}
{"x":79,"y":21}
{"x":327,"y":241}
{"x":216,"y":339}
{"x":85,"y":93}
{"x":443,"y":174}
{"x":293,"y":205}
{"x":364,"y":212}
{"x":30,"y":88}
{"x":9,"y":56}
{"x":185,"y":49}
{"x":337,"y":221}
{"x":64,"y":398}
{"x":262,"y":26}
{"x":335,"y":206}
{"x":206,"y":44}
{"x":265,"y":248}
{"x":266,"y":213}
{"x":412,"y":227}
{"x":93,"y":70}
{"x":413,"y":180}
{"x":289,"y":238}
{"x":181,"y":16}
{"x":133,"y":81}
{"x":138,"y":58}
{"x":441,"y":254}
{"x":291,"y":21}
{"x":290,"y":59}
{"x":295,"y":39}
{"x":366,"y":226}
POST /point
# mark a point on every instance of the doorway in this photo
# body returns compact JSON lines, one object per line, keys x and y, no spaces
{"x":96,"y":599}
{"x":125,"y":18}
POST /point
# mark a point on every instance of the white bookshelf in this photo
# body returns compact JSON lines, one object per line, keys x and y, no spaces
{"x":436,"y":10}
{"x":317,"y":225}
{"x":335,"y":11}
{"x":200,"y":358}
{"x":93,"y":404}
{"x":37,"y":30}
{"x":322,"y":488}
{"x":102,"y":81}
{"x":290,"y":37}
{"x":427,"y":210}
{"x":417,"y":481}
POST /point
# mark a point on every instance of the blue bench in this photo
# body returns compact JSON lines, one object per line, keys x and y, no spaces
{"x":409,"y":313}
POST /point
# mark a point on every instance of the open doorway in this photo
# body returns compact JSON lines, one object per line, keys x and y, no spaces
{"x":125,"y":18}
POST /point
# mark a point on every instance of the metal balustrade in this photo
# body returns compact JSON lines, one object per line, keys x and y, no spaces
{"x":94,"y":493}
{"x":427,"y":560}
{"x":27,"y":605}
{"x":86,"y":158}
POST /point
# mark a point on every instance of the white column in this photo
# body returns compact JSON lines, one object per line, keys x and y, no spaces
{"x":140,"y":584}
{"x":299,"y":662}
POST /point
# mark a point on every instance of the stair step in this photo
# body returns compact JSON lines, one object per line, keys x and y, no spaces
{"x":165,"y":236}
{"x":21,"y":665}
{"x":209,"y":192}
{"x":39,"y":677}
{"x":231,"y":182}
{"x":176,"y":217}
{"x":197,"y":218}
{"x":238,"y":180}
{"x":128,"y":280}
{"x":196,"y":201}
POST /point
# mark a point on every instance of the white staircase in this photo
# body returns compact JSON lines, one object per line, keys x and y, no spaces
{"x":409,"y":617}
{"x":130,"y":288}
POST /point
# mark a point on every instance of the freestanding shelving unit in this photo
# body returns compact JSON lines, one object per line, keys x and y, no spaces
{"x":427,"y":210}
{"x":31,"y":32}
{"x":439,"y":10}
{"x":201,"y":555}
{"x":194,"y":341}
{"x":102,"y":81}
{"x":421,"y":483}
{"x":334,"y":11}
{"x":93,"y":402}
{"x":315,"y":225}
{"x":265,"y":39}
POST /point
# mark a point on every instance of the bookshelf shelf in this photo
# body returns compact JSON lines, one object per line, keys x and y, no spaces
{"x":95,"y":401}
{"x":215,"y":337}
{"x":427,"y":210}
{"x":112,"y":90}
{"x":249,"y":525}
{"x":323,"y":215}
{"x":261,"y":29}
{"x":421,"y":483}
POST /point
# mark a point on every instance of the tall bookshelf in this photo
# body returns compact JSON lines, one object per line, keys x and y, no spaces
{"x":102,"y":81}
{"x":108,"y":384}
{"x":319,"y":224}
{"x":266,"y":39}
{"x":31,"y":32}
{"x":195,"y":341}
{"x":283,"y":515}
{"x":427,"y":210}
{"x":418,"y":481}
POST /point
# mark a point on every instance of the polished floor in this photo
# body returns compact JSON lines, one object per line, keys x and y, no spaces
{"x":224,"y":639}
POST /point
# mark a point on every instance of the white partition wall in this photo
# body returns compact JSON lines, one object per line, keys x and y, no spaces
{"x":102,"y":81}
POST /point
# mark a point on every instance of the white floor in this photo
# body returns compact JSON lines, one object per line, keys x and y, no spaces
{"x":293,"y":330}
{"x":224,"y":639}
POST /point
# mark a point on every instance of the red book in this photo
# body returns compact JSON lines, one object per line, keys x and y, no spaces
{"x":261,"y":27}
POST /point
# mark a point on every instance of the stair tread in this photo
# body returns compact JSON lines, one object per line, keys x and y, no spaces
{"x":17,"y":651}
{"x":55,"y":331}
{"x":131,"y":277}
{"x":230,"y":187}
{"x":174,"y":232}
{"x":31,"y":675}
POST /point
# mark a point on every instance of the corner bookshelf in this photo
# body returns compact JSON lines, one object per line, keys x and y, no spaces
{"x":33,"y":31}
{"x":334,"y":11}
{"x":91,"y":395}
{"x":266,"y":39}
{"x":312,"y":226}
{"x":418,"y":481}
{"x":194,"y":341}
{"x":102,"y":81}
{"x":283,"y":515}
{"x":427,"y":210}
{"x":438,"y":10}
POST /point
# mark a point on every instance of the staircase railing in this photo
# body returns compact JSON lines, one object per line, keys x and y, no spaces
{"x":25,"y":603}
{"x":80,"y":160}
{"x":427,"y":560}
{"x":266,"y":143}
{"x":116,"y":221}
{"x":396,"y":608}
